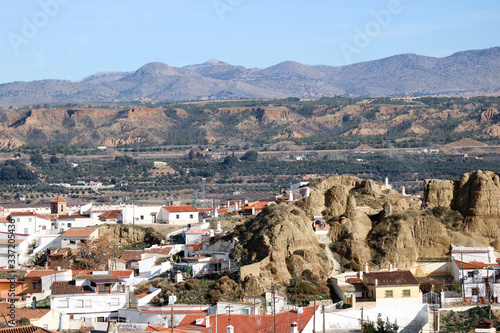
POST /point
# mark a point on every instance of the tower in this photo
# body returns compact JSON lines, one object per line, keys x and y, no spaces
{"x":58,"y":206}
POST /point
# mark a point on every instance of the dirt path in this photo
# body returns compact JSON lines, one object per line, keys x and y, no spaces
{"x":323,"y":239}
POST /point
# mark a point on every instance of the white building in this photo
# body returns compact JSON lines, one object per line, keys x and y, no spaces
{"x":92,"y":298}
{"x":139,"y":214}
{"x":26,"y":223}
{"x":182,"y":215}
{"x":74,"y":236}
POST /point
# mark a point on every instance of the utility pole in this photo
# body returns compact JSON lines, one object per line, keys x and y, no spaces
{"x":324,"y":321}
{"x":273,"y":293}
{"x":172,"y":318}
{"x":362,"y":322}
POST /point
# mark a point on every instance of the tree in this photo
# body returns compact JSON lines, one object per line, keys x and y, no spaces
{"x":36,"y":159}
{"x":380,"y":326}
{"x":250,"y":156}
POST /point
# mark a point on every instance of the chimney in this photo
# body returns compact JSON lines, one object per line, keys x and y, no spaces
{"x":290,"y":195}
{"x":207,"y":321}
{"x":390,"y":267}
{"x":230,"y":329}
{"x":376,"y":282}
{"x":360,"y":275}
{"x":47,"y":264}
{"x":293,"y":328}
{"x":366,"y":268}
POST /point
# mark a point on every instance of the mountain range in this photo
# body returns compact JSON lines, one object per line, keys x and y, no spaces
{"x":474,"y":72}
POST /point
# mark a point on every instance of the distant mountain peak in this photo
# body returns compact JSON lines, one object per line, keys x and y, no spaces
{"x":156,"y":68}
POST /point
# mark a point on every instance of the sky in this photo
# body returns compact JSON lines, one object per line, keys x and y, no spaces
{"x":72,"y":39}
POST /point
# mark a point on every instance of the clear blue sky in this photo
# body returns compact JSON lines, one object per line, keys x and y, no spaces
{"x":76,"y":38}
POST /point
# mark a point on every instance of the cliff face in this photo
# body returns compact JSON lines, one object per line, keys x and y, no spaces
{"x":476,"y":196}
{"x":371,"y":224}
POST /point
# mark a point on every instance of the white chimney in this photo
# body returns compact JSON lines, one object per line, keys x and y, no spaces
{"x":253,"y":210}
{"x":390,"y":267}
{"x":218,"y":225}
{"x":290,"y":195}
{"x":293,"y":328}
{"x":376,"y":282}
{"x":366,"y":268}
{"x":207,"y":321}
{"x":360,"y":275}
{"x":235,"y":208}
{"x":230,"y":329}
{"x":403,"y":190}
{"x":300,"y":310}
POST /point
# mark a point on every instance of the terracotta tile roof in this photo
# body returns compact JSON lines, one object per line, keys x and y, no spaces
{"x":475,"y":264}
{"x":129,"y":255}
{"x":393,"y":278}
{"x":42,"y":272}
{"x":73,"y":216}
{"x":96,"y":278}
{"x":248,"y":323}
{"x":58,"y":199}
{"x":354,"y":280}
{"x":21,"y":213}
{"x":26,"y":329}
{"x":68,"y":287}
{"x":197,"y":231}
{"x":161,"y":250}
{"x":79,"y":232}
{"x":180,"y":209}
{"x":123,"y":273}
{"x":32,"y":314}
{"x":4,"y":219}
{"x":110,"y":214}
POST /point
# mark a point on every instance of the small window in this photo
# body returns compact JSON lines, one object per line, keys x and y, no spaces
{"x":72,"y":241}
{"x":191,"y":216}
{"x":100,"y":319}
{"x":18,"y":219}
{"x":470,"y":275}
{"x":26,"y":230}
{"x":88,"y":303}
{"x":177,"y":216}
{"x":114,"y":302}
{"x":245,"y":311}
{"x":36,"y":285}
{"x":142,"y":217}
{"x":475,"y":291}
{"x":79,"y":303}
{"x":69,"y":225}
{"x":44,"y":227}
{"x":389,"y":294}
{"x":29,"y":219}
{"x":62,"y":304}
{"x":407,"y":293}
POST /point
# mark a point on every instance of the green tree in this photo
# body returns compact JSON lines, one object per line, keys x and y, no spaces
{"x":380,"y":326}
{"x":250,"y":156}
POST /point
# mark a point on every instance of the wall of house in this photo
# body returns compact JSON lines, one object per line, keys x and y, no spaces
{"x":49,"y":321}
{"x":379,"y":293}
{"x":432,"y":268}
{"x":142,"y":215}
{"x":184,"y":218}
{"x":64,"y":224}
{"x":101,"y":305}
{"x":59,"y":276}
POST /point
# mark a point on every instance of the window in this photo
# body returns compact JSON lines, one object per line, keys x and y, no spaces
{"x":470,"y":275}
{"x":29,"y":219}
{"x":36,"y":285}
{"x":407,"y":293}
{"x":114,"y":302}
{"x":475,"y":291}
{"x":18,"y":219}
{"x":69,"y":225}
{"x":142,"y":217}
{"x":26,"y":230}
{"x":245,"y":311}
{"x":191,"y":216}
{"x":72,"y":241}
{"x":79,"y":303}
{"x":44,"y":227}
{"x":177,"y":216}
{"x":62,"y":304}
{"x":389,"y":294}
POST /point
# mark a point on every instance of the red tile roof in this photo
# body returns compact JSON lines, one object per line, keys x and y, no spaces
{"x":22,"y":213}
{"x":79,"y":232}
{"x":122,"y":273}
{"x":58,"y":199}
{"x":161,"y":250}
{"x":110,"y":214}
{"x":197,"y":231}
{"x":194,"y":247}
{"x":43,"y":272}
{"x":32,"y":314}
{"x":475,"y":264}
{"x":25,"y":329}
{"x":180,"y":209}
{"x":67,"y":288}
{"x":129,"y":255}
{"x":249,"y":323}
{"x":151,"y":328}
{"x":393,"y":278}
{"x":354,"y":280}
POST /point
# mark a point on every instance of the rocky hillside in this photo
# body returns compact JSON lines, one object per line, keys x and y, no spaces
{"x":468,"y":73}
{"x":332,"y":121}
{"x":369,"y":224}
